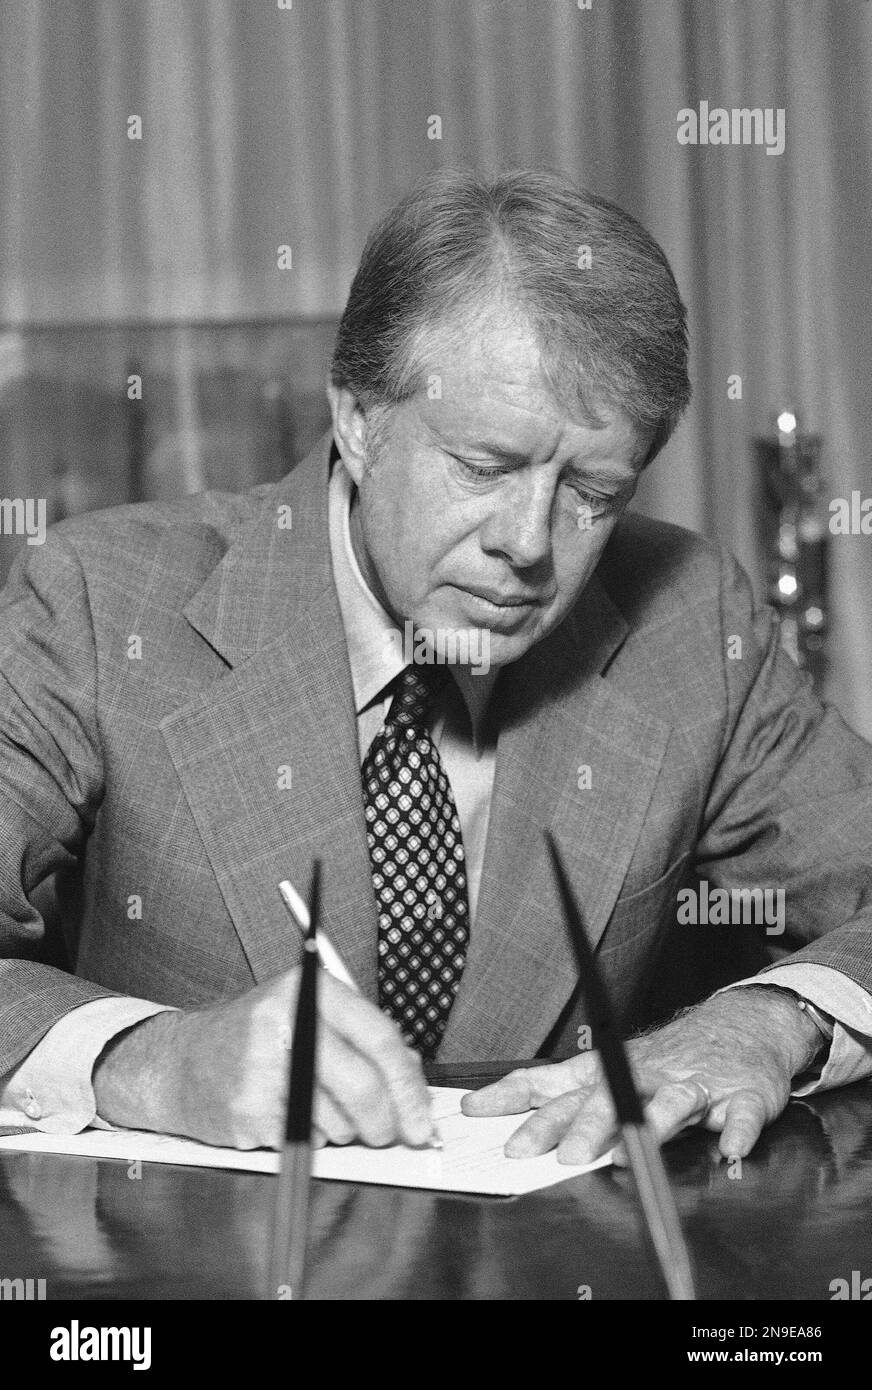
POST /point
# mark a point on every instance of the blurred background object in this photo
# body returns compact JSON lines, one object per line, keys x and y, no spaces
{"x":155,"y":158}
{"x":96,"y":414}
{"x":795,"y":541}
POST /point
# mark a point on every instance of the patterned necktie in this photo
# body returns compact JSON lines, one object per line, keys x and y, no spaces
{"x":418,"y":865}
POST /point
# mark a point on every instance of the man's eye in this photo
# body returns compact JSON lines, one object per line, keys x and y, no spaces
{"x":597,"y":505}
{"x":478,"y":470}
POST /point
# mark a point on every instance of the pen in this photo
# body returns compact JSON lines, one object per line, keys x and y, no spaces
{"x":655,"y":1194}
{"x":327,"y":954}
{"x":329,"y":958}
{"x":287,"y":1264}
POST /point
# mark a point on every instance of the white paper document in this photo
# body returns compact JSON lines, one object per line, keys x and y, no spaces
{"x":472,"y":1159}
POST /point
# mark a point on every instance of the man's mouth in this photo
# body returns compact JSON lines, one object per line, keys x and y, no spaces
{"x":500,"y":612}
{"x":500,"y":600}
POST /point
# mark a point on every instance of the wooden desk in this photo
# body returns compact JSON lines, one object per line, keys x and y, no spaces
{"x":799,"y":1217}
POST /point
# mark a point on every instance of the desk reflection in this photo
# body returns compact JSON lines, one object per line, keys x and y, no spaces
{"x":790,"y":1221}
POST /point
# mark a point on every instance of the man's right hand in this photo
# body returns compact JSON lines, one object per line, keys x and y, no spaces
{"x":219,"y":1074}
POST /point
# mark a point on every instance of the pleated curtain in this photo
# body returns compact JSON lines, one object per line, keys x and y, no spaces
{"x":268,"y":125}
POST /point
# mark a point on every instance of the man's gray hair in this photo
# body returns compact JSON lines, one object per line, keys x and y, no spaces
{"x":594,"y":286}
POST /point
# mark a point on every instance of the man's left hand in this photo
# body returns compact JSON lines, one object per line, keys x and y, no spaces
{"x":741,"y":1048}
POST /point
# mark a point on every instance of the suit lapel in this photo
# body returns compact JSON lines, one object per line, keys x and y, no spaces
{"x":283,"y":704}
{"x":267,"y":754}
{"x":558,"y":714}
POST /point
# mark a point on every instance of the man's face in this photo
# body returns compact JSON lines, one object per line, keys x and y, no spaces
{"x":489,"y":507}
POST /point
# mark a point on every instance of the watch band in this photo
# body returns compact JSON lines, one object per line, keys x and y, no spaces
{"x":822,"y":1021}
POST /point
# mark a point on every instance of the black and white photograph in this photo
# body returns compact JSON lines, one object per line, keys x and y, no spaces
{"x":435,"y":670}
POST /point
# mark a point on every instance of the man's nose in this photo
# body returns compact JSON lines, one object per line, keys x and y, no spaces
{"x":519,"y":527}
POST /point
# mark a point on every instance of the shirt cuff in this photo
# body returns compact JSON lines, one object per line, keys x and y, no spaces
{"x":846,"y":1002}
{"x":52,"y":1089}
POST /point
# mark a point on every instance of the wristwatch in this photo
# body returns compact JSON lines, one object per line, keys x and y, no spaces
{"x":825,"y":1025}
{"x":822,"y":1021}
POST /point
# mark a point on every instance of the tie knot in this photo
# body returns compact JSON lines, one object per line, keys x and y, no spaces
{"x":416,"y":690}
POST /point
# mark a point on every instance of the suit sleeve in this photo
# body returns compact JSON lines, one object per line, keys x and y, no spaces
{"x":790,"y":804}
{"x":51,"y":782}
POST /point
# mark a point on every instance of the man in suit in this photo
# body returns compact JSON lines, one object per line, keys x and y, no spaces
{"x":198,"y":698}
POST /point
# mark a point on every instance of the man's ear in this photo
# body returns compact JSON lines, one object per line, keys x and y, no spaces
{"x":349,"y":428}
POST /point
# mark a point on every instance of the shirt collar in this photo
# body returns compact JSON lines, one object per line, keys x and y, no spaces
{"x":374,"y":653}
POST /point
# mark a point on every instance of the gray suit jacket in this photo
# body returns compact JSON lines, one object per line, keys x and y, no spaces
{"x":155,"y":778}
